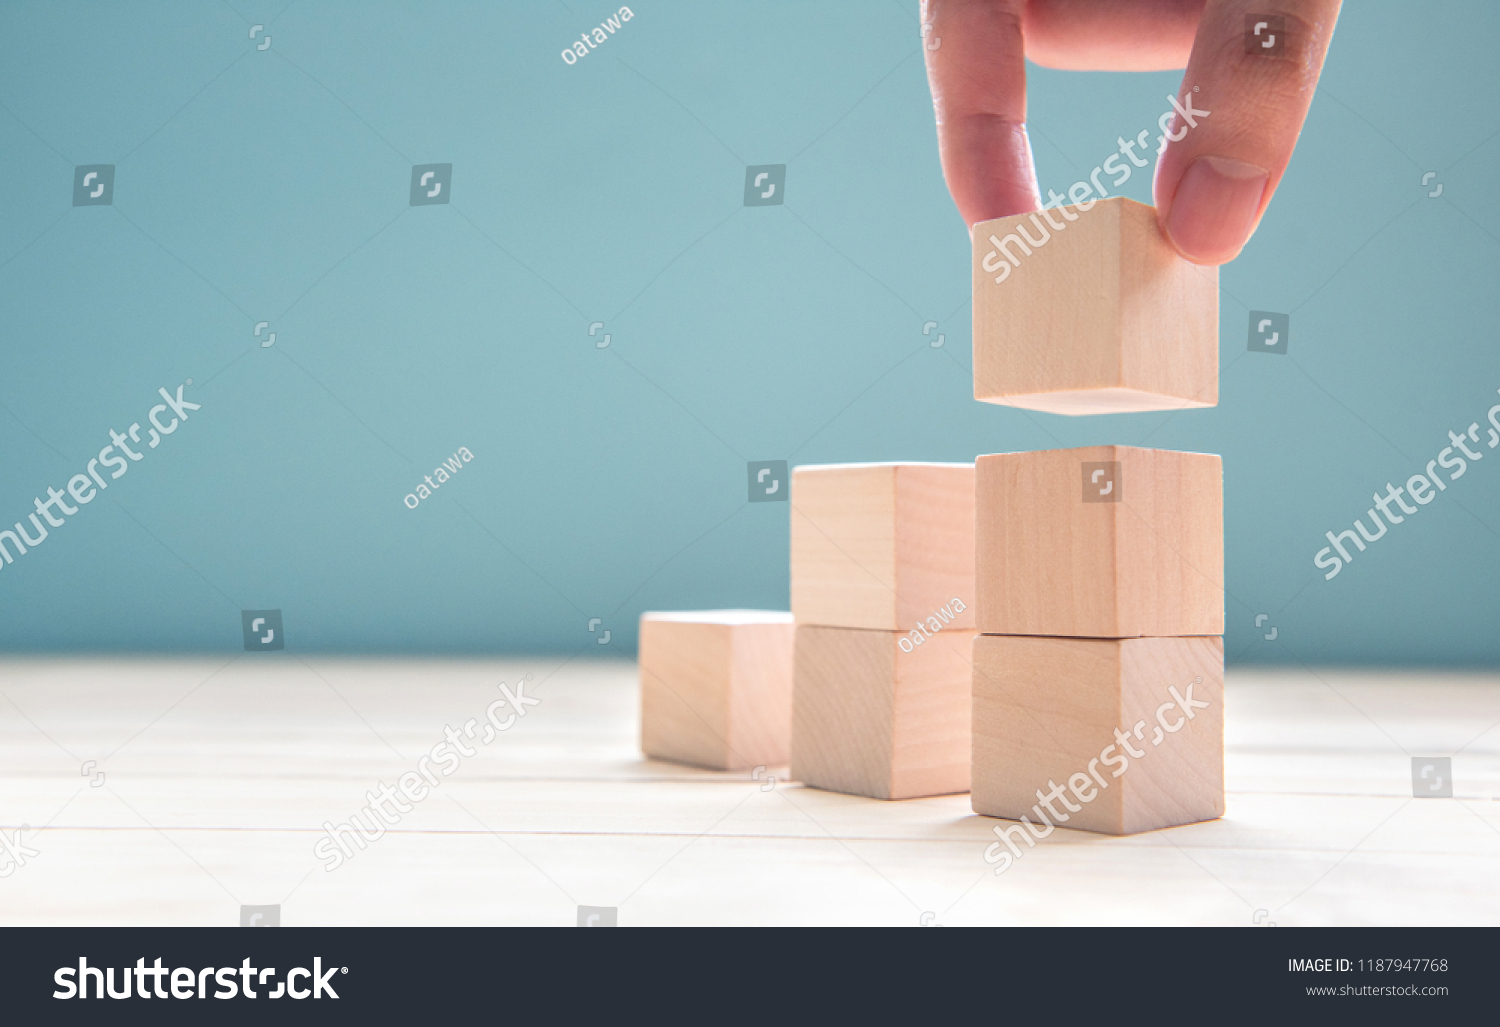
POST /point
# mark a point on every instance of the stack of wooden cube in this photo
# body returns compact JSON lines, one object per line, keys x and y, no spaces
{"x":882,"y":591}
{"x":1047,"y":625}
{"x":1098,"y":674}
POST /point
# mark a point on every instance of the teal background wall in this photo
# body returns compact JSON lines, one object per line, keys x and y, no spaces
{"x":273,"y":185}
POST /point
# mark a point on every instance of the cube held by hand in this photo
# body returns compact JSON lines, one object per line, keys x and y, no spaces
{"x":1088,"y":309}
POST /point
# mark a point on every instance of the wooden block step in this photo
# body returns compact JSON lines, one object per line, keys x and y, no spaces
{"x":1053,"y":718}
{"x":1102,"y":542}
{"x":882,"y":546}
{"x":871,"y":718}
{"x":716,"y":687}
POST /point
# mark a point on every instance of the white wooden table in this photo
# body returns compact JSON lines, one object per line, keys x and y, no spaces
{"x":219,"y":774}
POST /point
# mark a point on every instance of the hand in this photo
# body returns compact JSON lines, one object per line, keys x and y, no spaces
{"x":1213,"y":184}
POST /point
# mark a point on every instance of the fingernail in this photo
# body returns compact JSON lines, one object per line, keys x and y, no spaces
{"x":1214,"y":209}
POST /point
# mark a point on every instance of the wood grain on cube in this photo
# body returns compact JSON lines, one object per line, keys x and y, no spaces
{"x":882,"y":546}
{"x":1046,"y":711}
{"x":1149,"y":563}
{"x":871,"y":719}
{"x":716,"y":687}
{"x":1104,"y":316}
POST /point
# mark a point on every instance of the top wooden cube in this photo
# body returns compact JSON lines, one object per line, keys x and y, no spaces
{"x":1089,"y":310}
{"x":883,"y":546}
{"x":1100,"y":542}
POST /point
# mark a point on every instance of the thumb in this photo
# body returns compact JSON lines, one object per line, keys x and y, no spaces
{"x":1255,"y":74}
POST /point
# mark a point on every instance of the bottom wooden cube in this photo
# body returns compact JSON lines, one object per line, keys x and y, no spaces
{"x":716,"y":687}
{"x":1103,"y":734}
{"x":871,"y":718}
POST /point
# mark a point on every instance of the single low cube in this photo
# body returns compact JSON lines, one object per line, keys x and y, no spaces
{"x":1100,"y":542}
{"x":883,"y":546}
{"x":875,"y":713}
{"x":716,"y":687}
{"x":1089,"y":310}
{"x":1110,"y":735}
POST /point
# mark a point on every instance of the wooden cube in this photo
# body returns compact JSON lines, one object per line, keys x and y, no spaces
{"x":1089,"y":310}
{"x":883,"y":546}
{"x":716,"y":687}
{"x":1101,"y":542}
{"x":1052,"y":717}
{"x":874,"y":713}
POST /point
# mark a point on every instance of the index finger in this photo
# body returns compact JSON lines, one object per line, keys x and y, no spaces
{"x":976,"y":67}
